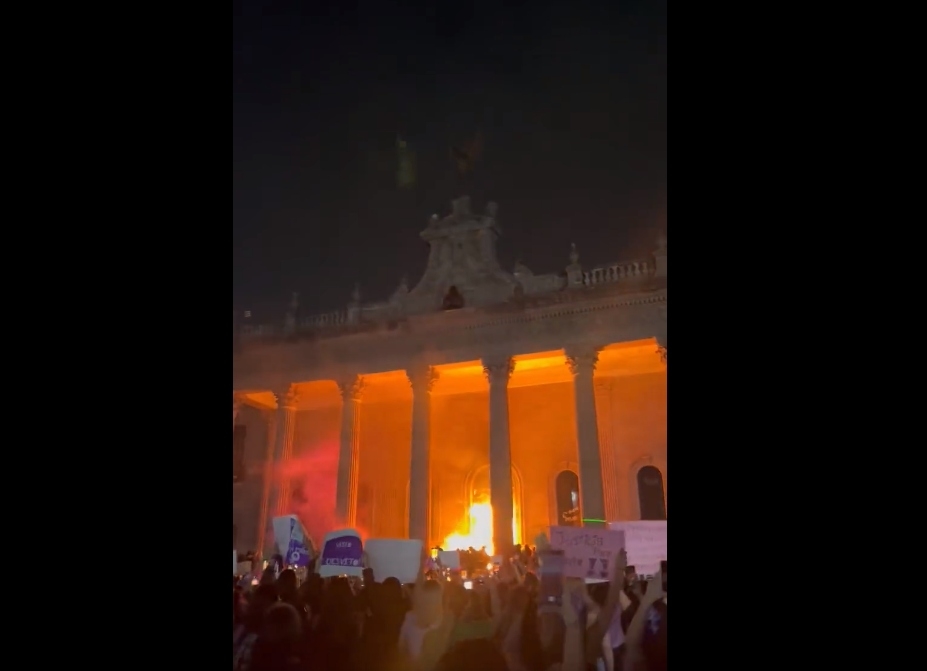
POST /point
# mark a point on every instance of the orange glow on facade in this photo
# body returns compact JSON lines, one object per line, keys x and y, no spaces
{"x":630,"y":416}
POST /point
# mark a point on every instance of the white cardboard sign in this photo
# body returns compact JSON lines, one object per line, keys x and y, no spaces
{"x":393,"y":557}
{"x":645,"y":543}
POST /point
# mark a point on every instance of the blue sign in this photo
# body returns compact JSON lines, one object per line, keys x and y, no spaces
{"x":297,"y":554}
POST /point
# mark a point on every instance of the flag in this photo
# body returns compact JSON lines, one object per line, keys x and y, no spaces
{"x":405,"y":164}
{"x":465,"y":155}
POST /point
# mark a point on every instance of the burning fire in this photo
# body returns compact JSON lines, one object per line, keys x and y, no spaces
{"x":480,"y":531}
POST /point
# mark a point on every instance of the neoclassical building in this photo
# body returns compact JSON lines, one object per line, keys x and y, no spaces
{"x":544,"y":395}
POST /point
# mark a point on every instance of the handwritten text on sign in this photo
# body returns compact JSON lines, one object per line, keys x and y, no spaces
{"x":588,"y":552}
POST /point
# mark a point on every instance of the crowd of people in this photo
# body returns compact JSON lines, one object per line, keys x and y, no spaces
{"x":474,"y":561}
{"x":437,"y":624}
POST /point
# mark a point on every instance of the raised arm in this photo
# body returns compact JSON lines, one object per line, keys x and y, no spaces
{"x":419,"y":578}
{"x":574,"y":657}
{"x":634,"y":637}
{"x":612,"y":605}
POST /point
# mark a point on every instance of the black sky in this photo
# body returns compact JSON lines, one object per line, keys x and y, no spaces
{"x":571,"y":100}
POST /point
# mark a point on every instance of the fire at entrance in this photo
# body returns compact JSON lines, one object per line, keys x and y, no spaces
{"x":476,"y":532}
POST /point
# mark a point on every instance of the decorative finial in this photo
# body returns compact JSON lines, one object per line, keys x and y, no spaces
{"x":574,"y":255}
{"x":661,"y":242}
{"x":356,"y":295}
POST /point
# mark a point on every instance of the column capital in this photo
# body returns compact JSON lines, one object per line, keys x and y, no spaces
{"x":498,"y":370}
{"x":423,"y":377}
{"x":286,"y":397}
{"x":582,"y":360}
{"x":351,"y":388}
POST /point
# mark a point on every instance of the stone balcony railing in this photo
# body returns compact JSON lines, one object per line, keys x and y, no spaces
{"x":322,"y":321}
{"x":618,"y":272}
{"x":386,"y":314}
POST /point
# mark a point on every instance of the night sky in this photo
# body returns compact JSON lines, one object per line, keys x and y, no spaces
{"x":570,"y":100}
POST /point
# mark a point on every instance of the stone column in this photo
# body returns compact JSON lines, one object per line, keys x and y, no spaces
{"x":423,"y":381}
{"x":611,"y":488}
{"x":283,"y":448}
{"x":348,"y":457}
{"x":582,"y":365}
{"x":236,"y":406}
{"x":270,"y":418}
{"x":498,"y":372}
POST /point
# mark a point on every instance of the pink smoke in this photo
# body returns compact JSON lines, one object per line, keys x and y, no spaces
{"x":313,"y":476}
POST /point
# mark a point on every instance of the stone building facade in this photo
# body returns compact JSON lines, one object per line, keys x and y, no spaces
{"x":543,"y":394}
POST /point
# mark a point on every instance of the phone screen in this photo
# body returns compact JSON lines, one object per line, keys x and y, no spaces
{"x":550,"y":590}
{"x":630,"y":575}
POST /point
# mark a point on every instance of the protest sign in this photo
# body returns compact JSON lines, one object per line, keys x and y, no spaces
{"x":281,"y":527}
{"x":449,"y":559}
{"x":588,"y":551}
{"x":394,"y":558}
{"x":292,"y":541}
{"x":342,"y":554}
{"x":645,"y":542}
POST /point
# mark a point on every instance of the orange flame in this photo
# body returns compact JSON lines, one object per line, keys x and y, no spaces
{"x":476,"y":531}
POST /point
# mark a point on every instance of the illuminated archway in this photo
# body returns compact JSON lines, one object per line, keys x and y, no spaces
{"x":476,"y":529}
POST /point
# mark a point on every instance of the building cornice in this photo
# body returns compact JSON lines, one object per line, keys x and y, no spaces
{"x":460,"y":335}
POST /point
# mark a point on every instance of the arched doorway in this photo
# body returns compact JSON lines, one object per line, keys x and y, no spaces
{"x":479,"y":492}
{"x":479,"y":495}
{"x":650,"y":493}
{"x":566,"y":487}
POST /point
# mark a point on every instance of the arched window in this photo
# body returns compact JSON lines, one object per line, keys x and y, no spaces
{"x":568,"y":508}
{"x":650,"y":493}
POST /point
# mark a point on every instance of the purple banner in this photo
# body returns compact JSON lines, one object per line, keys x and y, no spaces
{"x":343,"y":551}
{"x":297,"y":553}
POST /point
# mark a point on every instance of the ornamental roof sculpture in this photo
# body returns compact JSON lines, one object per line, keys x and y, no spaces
{"x":462,"y":255}
{"x":463,"y":271}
